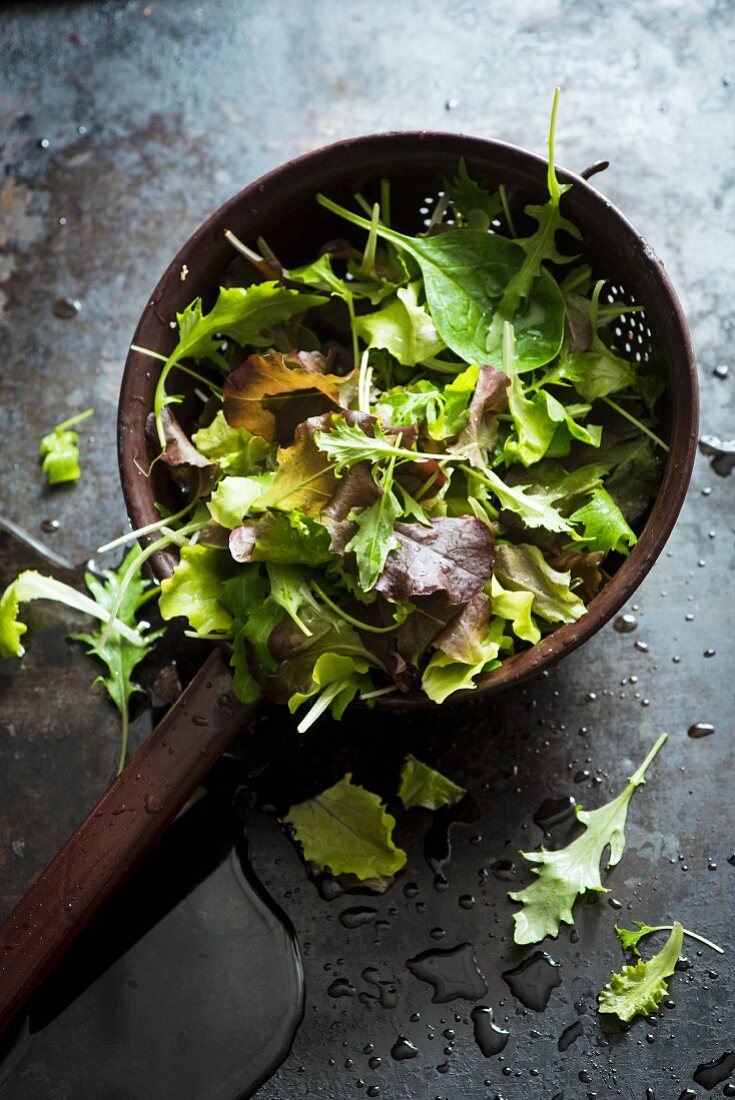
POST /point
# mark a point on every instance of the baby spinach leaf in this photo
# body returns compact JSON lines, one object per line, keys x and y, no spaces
{"x":568,"y":872}
{"x":639,"y":990}
{"x":347,"y":830}
{"x":604,"y":525}
{"x":423,"y":786}
{"x":60,"y":452}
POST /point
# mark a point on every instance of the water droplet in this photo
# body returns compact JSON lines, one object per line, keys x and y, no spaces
{"x":451,"y":105}
{"x":66,"y":308}
{"x":688,"y":1094}
{"x":554,"y":811}
{"x":467,"y":901}
{"x":490,"y":1038}
{"x":729,"y":1090}
{"x":403,"y":1049}
{"x":443,"y":1067}
{"x":48,"y":526}
{"x":373,"y":1090}
{"x":437,"y":933}
{"x":533,"y":982}
{"x":614,"y":903}
{"x":503,"y":869}
{"x":452,"y":973}
{"x":709,"y":653}
{"x":710,"y":1074}
{"x":721,"y":370}
{"x":341,"y":988}
{"x":43,"y":143}
{"x":570,"y":1035}
{"x":625,"y":624}
{"x":642,"y":647}
{"x":700,"y":729}
{"x":650,"y":1094}
{"x":151,"y":805}
{"x":410,"y":890}
{"x":584,"y":1077}
{"x":375,"y":1062}
{"x":357,"y":916}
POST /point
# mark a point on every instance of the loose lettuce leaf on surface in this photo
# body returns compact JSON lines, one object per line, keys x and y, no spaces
{"x":524,"y":568}
{"x":639,"y":990}
{"x":60,"y":452}
{"x":629,"y":939}
{"x":194,"y":589}
{"x":31,"y":585}
{"x":347,"y":830}
{"x":568,"y":872}
{"x":454,"y":556}
{"x":423,"y":786}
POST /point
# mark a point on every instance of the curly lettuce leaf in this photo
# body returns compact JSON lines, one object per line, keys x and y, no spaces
{"x":629,"y":939}
{"x":234,"y":497}
{"x":604,"y":525}
{"x":335,"y":681}
{"x":60,"y":452}
{"x":524,"y":568}
{"x":564,"y":874}
{"x":516,"y":608}
{"x":235,"y":450}
{"x":422,"y":786}
{"x":639,"y":990}
{"x":403,"y":327}
{"x":444,"y":674}
{"x":282,"y":538}
{"x":347,"y":830}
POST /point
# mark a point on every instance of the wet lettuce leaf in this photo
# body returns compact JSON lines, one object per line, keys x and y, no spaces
{"x":195,"y":588}
{"x":375,"y":537}
{"x":282,"y":538}
{"x":236,"y":451}
{"x":60,"y":451}
{"x":347,"y":830}
{"x":403,"y":327}
{"x":568,"y":872}
{"x":603,"y":524}
{"x":454,"y":555}
{"x":524,"y":568}
{"x":516,"y":608}
{"x":422,"y":786}
{"x":639,"y":990}
{"x":335,"y":681}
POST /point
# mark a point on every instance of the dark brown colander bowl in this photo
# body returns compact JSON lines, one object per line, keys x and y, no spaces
{"x":281,"y":207}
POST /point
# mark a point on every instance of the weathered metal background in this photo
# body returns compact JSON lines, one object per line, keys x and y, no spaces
{"x":121,"y":126}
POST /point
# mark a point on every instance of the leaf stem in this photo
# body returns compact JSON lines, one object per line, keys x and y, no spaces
{"x":321,"y":704}
{"x":506,"y":210}
{"x":248,"y":253}
{"x":639,"y":424}
{"x":216,"y":390}
{"x":349,"y":618}
{"x":124,"y":723}
{"x":692,"y":936}
{"x":638,"y":776}
{"x":140,"y":531}
{"x":73,"y":420}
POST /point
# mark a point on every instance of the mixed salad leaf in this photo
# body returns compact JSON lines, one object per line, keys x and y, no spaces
{"x":60,"y":451}
{"x":566,"y":873}
{"x":418,"y":454}
{"x":639,"y":990}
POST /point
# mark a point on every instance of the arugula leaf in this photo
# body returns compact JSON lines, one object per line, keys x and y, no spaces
{"x":535,"y":509}
{"x":290,"y":590}
{"x":60,"y":452}
{"x":374,"y":538}
{"x":262,"y":388}
{"x":605,"y":526}
{"x":347,"y":830}
{"x":235,"y":450}
{"x":565,"y":874}
{"x":476,"y":206}
{"x":629,"y":939}
{"x":194,"y":589}
{"x":639,"y":990}
{"x":119,"y":654}
{"x":524,"y":568}
{"x":402,"y":327}
{"x":255,"y":615}
{"x":335,"y":680}
{"x":423,"y":786}
{"x":31,"y":585}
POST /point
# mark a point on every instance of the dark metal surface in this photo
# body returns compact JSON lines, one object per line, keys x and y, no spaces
{"x":181,"y":104}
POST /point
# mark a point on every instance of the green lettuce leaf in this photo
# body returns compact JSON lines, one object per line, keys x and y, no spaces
{"x":235,"y":450}
{"x":290,"y":590}
{"x":234,"y":497}
{"x":194,"y":589}
{"x":402,"y":327}
{"x":524,"y":568}
{"x":60,"y":452}
{"x":347,"y":830}
{"x":444,"y":674}
{"x":335,"y":681}
{"x":604,"y":525}
{"x":423,"y":786}
{"x":629,"y":939}
{"x":565,"y":874}
{"x":476,"y":207}
{"x":31,"y":585}
{"x":374,"y":538}
{"x":516,"y":608}
{"x":255,"y":614}
{"x":639,"y":990}
{"x":282,"y":538}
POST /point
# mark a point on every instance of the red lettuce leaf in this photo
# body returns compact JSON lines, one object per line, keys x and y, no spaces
{"x":454,"y":555}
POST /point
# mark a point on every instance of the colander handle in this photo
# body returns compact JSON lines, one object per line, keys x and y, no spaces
{"x":118,"y":833}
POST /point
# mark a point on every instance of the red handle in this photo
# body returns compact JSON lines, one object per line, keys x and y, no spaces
{"x":118,"y":833}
